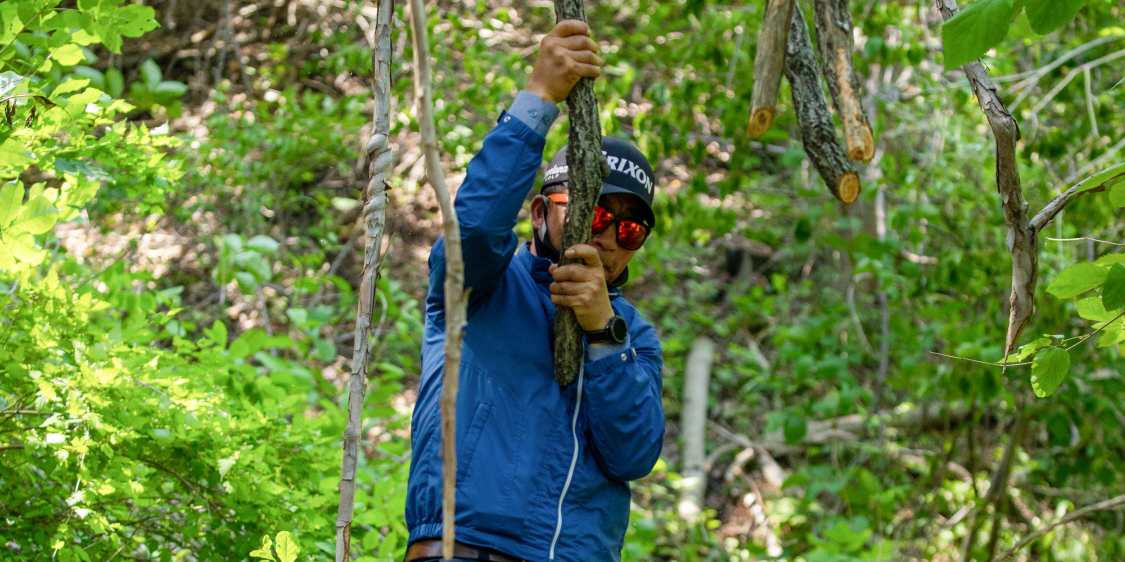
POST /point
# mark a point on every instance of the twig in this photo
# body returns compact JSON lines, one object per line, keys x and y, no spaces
{"x":855,"y":318}
{"x":1090,"y":103}
{"x":1084,"y":238}
{"x":456,"y":294}
{"x":1056,"y":205}
{"x":1074,"y":73}
{"x":1100,"y":506}
{"x":982,"y":362}
{"x":1091,"y":334}
{"x":1034,"y":76}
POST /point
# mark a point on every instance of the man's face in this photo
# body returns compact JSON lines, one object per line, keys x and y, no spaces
{"x":614,"y":257}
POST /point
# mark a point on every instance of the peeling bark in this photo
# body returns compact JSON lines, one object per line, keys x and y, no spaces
{"x":374,"y":217}
{"x":834,"y":37}
{"x":817,"y":131}
{"x":769,"y":61}
{"x":587,"y":170}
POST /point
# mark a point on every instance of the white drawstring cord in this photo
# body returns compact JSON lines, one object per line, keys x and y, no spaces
{"x":573,"y":459}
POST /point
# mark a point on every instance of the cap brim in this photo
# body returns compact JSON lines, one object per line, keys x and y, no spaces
{"x":646,"y":210}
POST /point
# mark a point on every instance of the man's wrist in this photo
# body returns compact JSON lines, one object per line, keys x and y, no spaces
{"x":533,"y":111}
{"x":542,"y":93}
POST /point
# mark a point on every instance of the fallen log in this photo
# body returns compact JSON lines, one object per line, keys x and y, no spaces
{"x":817,"y":131}
{"x":834,"y":37}
{"x":769,"y":61}
{"x":693,"y":421}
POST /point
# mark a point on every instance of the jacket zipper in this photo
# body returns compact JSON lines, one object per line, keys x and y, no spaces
{"x":573,"y":459}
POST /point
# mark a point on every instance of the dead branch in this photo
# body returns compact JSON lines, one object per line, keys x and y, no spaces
{"x":817,"y":131}
{"x":587,"y":170}
{"x":374,"y":213}
{"x":834,"y":37}
{"x":693,"y":419}
{"x":769,"y":61}
{"x":456,"y":294}
{"x":1051,"y":209}
{"x":1076,"y":514}
{"x":1023,"y":240}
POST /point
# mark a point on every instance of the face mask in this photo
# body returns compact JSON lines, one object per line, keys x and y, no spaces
{"x":543,"y":229}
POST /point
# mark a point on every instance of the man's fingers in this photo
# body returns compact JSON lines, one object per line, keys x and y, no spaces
{"x":579,"y":43}
{"x":585,"y":252}
{"x":585,"y":57}
{"x":566,"y":28}
{"x":575,"y":272}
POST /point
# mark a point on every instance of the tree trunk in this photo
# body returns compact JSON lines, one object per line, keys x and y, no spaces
{"x":374,"y":212}
{"x":817,"y":131}
{"x":693,"y":423}
{"x":769,"y":61}
{"x":834,"y":37}
{"x":587,"y":170}
{"x":456,"y":295}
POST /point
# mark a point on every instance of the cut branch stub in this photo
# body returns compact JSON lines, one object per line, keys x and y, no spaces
{"x":768,"y":64}
{"x":817,"y":130}
{"x":587,"y":169}
{"x":834,"y":37}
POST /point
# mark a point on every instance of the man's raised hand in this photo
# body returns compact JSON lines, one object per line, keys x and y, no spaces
{"x":581,"y":286}
{"x":566,"y":55}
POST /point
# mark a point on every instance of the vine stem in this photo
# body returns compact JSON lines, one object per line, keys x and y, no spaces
{"x":1100,"y":506}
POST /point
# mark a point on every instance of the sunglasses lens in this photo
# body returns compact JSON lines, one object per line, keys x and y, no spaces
{"x":631,"y":235}
{"x":602,"y":220}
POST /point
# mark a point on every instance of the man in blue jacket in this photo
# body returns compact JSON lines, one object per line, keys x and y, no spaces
{"x":542,"y":470}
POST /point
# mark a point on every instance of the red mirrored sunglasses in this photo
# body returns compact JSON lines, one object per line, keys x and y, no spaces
{"x":630,"y":234}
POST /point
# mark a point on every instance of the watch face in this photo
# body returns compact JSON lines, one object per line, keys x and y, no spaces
{"x":618,"y":329}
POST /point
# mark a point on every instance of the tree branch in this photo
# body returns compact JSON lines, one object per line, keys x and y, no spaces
{"x":456,"y":294}
{"x":1100,"y":506}
{"x":1092,"y":183}
{"x":769,"y":60}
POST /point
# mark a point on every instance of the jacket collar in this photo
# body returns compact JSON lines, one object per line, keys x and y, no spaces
{"x":540,"y":269}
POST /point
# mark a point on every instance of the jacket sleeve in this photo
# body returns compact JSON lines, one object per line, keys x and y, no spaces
{"x":623,"y":407}
{"x":488,"y":203}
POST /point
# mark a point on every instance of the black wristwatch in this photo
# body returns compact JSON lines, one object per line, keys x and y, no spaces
{"x":615,"y":331}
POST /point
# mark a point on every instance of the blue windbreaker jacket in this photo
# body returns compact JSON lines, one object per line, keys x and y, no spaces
{"x":541,"y":470}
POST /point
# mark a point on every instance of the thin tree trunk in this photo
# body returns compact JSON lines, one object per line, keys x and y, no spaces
{"x":818,"y":134}
{"x":374,"y":212}
{"x":769,"y":61}
{"x":834,"y":36}
{"x":693,"y":423}
{"x":587,"y":170}
{"x":456,"y":295}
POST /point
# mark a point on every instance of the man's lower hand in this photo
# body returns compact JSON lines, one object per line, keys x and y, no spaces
{"x":581,"y":286}
{"x":566,"y":55}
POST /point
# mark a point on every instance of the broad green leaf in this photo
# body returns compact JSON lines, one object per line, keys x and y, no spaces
{"x":1091,"y":309}
{"x":1112,"y":335}
{"x":1110,"y":259}
{"x":217,"y":333}
{"x":1117,"y":195}
{"x":975,"y":30}
{"x":9,"y":81}
{"x":97,"y":77}
{"x":264,"y":551}
{"x":151,"y":74}
{"x":795,"y":429}
{"x":1113,"y":291}
{"x":68,"y":55}
{"x":11,"y":201}
{"x":1027,"y":350}
{"x":263,"y":244}
{"x":22,"y":247}
{"x":36,"y":217}
{"x":170,"y":89}
{"x":13,"y":153}
{"x":1076,"y":279}
{"x":71,"y":85}
{"x":1046,"y":16}
{"x":254,"y":263}
{"x":287,"y":548}
{"x":136,"y":20}
{"x":225,"y":466}
{"x":1048,"y":370}
{"x":114,"y":82}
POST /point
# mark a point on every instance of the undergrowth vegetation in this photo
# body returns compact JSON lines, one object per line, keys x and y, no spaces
{"x":178,"y":257}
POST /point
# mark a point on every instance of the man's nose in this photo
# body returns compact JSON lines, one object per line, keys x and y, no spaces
{"x":605,"y":240}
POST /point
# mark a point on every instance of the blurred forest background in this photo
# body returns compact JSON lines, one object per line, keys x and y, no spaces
{"x":180,"y":255}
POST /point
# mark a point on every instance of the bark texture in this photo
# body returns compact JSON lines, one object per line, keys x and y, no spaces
{"x":374,"y":212}
{"x":456,"y":295}
{"x":834,"y":37}
{"x":587,"y":170}
{"x":693,"y":423}
{"x":769,"y":61}
{"x":817,"y":130}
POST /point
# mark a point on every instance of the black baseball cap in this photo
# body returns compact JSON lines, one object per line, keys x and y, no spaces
{"x":630,"y":173}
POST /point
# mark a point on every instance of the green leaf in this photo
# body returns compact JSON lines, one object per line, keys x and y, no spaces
{"x":1029,"y":349}
{"x":795,"y":429}
{"x":170,"y":89}
{"x":287,"y":548}
{"x":975,"y":30}
{"x":1091,"y":309}
{"x":1048,"y":371}
{"x":1110,"y":259}
{"x":13,"y":153}
{"x":36,"y":217}
{"x":151,"y":74}
{"x":1077,"y":279}
{"x":68,"y":55}
{"x":1117,"y":195}
{"x":1099,"y":179}
{"x":114,"y":82}
{"x":217,"y":333}
{"x":71,"y":85}
{"x":1113,"y":291}
{"x":136,"y":20}
{"x":1112,"y":335}
{"x":11,"y":201}
{"x":264,"y":551}
{"x":9,"y":81}
{"x":263,"y":244}
{"x":1046,"y":16}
